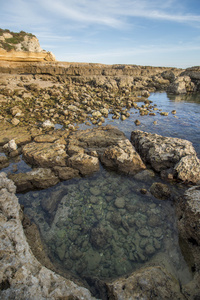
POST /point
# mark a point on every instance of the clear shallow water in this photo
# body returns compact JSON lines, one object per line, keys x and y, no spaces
{"x":103,"y":225}
{"x":185,"y":124}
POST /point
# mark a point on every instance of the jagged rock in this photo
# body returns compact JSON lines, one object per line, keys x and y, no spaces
{"x":188,"y":169}
{"x":21,"y":275}
{"x":86,"y":164}
{"x":147,"y":283}
{"x":36,"y":179}
{"x":10,"y":146}
{"x":164,"y":153}
{"x":188,"y":207}
{"x":181,"y":85}
{"x":45,"y":154}
{"x":123,"y":158}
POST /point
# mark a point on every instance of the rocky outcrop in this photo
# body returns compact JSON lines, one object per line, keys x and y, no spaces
{"x":147,"y":283}
{"x":23,"y":56}
{"x":194,"y":75}
{"x":174,"y":158}
{"x":123,"y":158}
{"x":21,"y":275}
{"x":22,"y":46}
{"x":181,"y":85}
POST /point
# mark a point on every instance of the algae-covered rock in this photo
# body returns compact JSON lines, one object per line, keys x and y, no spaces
{"x":160,"y":191}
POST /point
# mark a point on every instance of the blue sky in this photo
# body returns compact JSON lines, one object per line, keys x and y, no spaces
{"x":143,"y":32}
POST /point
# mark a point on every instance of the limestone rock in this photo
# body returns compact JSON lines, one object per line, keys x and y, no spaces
{"x":22,"y":276}
{"x":86,"y":164}
{"x":36,"y":179}
{"x":65,"y":173}
{"x":96,"y":139}
{"x":48,"y":124}
{"x":163,"y":153}
{"x":181,"y":85}
{"x":147,"y":283}
{"x":45,"y":154}
{"x":4,"y":162}
{"x":188,"y":169}
{"x":10,"y":146}
{"x":123,"y":158}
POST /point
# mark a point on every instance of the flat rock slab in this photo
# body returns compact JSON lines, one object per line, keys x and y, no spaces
{"x":40,"y":178}
{"x":165,"y":153}
{"x":45,"y":154}
{"x":21,"y":135}
{"x":96,"y":139}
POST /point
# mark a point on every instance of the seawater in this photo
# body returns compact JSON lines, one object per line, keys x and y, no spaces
{"x":108,"y":225}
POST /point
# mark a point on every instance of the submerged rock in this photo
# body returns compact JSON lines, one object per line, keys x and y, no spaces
{"x":164,"y":153}
{"x":22,"y":276}
{"x":160,"y":191}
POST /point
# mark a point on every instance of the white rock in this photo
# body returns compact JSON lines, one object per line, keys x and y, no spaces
{"x":48,"y":124}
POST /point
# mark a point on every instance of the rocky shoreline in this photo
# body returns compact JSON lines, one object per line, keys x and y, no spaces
{"x":37,"y":96}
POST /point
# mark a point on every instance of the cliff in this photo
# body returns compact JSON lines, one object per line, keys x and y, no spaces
{"x":22,"y":46}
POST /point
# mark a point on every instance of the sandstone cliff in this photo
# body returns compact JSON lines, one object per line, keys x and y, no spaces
{"x":22,"y":46}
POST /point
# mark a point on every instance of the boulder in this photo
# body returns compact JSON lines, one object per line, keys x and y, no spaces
{"x":22,"y":276}
{"x":122,"y":157}
{"x":165,"y":153}
{"x":45,"y":154}
{"x":188,"y":208}
{"x":84,"y":163}
{"x":36,"y":179}
{"x":181,"y":85}
{"x":97,"y":139}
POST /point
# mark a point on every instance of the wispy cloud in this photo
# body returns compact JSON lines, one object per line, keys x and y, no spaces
{"x":115,"y":13}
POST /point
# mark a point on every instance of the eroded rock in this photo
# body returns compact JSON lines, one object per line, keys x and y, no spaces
{"x":165,"y":153}
{"x":22,"y":276}
{"x":40,"y":178}
{"x":147,"y":283}
{"x":45,"y":154}
{"x":122,"y":157}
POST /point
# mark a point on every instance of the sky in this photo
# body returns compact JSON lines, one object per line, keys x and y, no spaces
{"x":143,"y":32}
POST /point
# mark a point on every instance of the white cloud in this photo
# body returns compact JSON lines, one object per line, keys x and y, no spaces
{"x":115,"y":13}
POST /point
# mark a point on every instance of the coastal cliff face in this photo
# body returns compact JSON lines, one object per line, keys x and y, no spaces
{"x":22,"y":46}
